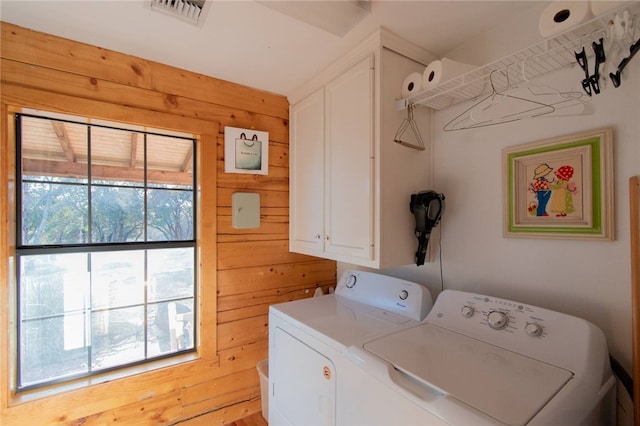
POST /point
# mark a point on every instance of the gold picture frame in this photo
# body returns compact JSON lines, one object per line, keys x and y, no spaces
{"x":560,"y":188}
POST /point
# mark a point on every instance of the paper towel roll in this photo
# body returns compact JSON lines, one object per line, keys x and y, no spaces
{"x":560,"y":16}
{"x":601,"y":7}
{"x":440,"y":71}
{"x":412,"y":84}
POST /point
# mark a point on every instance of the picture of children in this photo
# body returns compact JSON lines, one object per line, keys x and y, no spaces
{"x":561,"y":188}
{"x":541,"y":187}
{"x":562,"y":192}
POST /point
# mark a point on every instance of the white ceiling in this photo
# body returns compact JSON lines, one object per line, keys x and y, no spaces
{"x":248,"y":43}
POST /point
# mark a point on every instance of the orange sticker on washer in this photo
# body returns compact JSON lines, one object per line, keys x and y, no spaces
{"x":326,"y":372}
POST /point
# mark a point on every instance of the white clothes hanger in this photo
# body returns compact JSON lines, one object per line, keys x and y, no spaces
{"x":498,"y":108}
{"x":409,"y":123}
{"x":565,"y":103}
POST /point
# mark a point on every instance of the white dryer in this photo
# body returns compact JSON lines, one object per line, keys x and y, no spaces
{"x":479,"y":360}
{"x":308,"y":339}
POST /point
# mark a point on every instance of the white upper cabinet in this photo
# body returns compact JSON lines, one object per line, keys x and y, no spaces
{"x":350,"y":183}
{"x":306,"y":169}
{"x":332,"y":165}
{"x":349,"y":163}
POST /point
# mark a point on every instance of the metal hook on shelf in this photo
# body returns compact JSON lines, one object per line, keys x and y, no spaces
{"x":409,"y":123}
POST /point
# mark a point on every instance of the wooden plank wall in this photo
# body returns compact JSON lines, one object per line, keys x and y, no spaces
{"x":242,"y":271}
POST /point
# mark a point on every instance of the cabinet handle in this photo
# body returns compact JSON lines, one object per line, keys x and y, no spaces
{"x":317,"y":236}
{"x":326,"y":237}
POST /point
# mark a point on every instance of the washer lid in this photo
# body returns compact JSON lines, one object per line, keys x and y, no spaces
{"x":507,"y":386}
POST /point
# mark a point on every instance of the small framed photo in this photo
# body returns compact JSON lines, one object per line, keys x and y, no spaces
{"x":246,"y":151}
{"x":560,"y":188}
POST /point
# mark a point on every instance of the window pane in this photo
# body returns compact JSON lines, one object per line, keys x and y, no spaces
{"x":52,"y":284}
{"x":170,"y":274}
{"x":44,"y":351}
{"x":117,"y":215}
{"x":170,"y":215}
{"x":54,"y":213}
{"x":169,"y":161}
{"x":170,"y":327}
{"x":117,"y":156}
{"x":118,"y":337}
{"x":52,"y":334}
{"x":117,"y":279}
{"x":54,"y":148}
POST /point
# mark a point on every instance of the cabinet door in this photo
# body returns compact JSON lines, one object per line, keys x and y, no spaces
{"x":349,"y":177}
{"x":306,"y":173}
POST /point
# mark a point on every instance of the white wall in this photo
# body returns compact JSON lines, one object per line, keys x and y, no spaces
{"x":588,"y":279}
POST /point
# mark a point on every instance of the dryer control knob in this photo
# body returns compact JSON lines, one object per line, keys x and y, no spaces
{"x":350,"y":281}
{"x":467,"y":311}
{"x":497,"y":320}
{"x":403,"y":295}
{"x":533,"y":329}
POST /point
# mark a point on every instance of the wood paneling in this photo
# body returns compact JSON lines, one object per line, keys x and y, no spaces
{"x":41,"y":77}
{"x":242,"y":271}
{"x":211,"y":390}
{"x":30,"y":47}
{"x":234,"y":281}
{"x":268,"y":199}
{"x":233,"y":308}
{"x":242,"y":331}
{"x":162,"y":410}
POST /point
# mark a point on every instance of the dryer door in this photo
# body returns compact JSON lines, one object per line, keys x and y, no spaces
{"x":302,"y":383}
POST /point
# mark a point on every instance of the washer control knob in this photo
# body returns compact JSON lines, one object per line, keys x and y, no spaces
{"x":497,"y":320}
{"x":403,"y":295}
{"x":467,"y":311}
{"x":533,"y":329}
{"x":350,"y":281}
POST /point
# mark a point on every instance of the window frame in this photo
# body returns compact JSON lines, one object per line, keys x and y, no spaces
{"x":130,"y":387}
{"x":19,"y":250}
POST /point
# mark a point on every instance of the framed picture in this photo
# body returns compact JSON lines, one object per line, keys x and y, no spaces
{"x":560,"y":188}
{"x":246,"y":151}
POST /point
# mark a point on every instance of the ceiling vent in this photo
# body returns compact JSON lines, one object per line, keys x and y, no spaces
{"x":192,"y":11}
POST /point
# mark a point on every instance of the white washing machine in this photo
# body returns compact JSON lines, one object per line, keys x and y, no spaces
{"x":308,"y":339}
{"x":480,"y":360}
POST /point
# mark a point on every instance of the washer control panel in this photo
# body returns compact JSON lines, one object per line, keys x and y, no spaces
{"x":500,"y":314}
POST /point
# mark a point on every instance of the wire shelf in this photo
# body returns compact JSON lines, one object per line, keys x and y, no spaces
{"x":549,"y":55}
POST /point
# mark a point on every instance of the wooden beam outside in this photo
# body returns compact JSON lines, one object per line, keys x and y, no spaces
{"x":134,"y":149}
{"x":114,"y":173}
{"x":63,"y":137}
{"x":188,"y":160}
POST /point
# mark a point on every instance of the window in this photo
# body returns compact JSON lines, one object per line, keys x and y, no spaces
{"x":106,"y":247}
